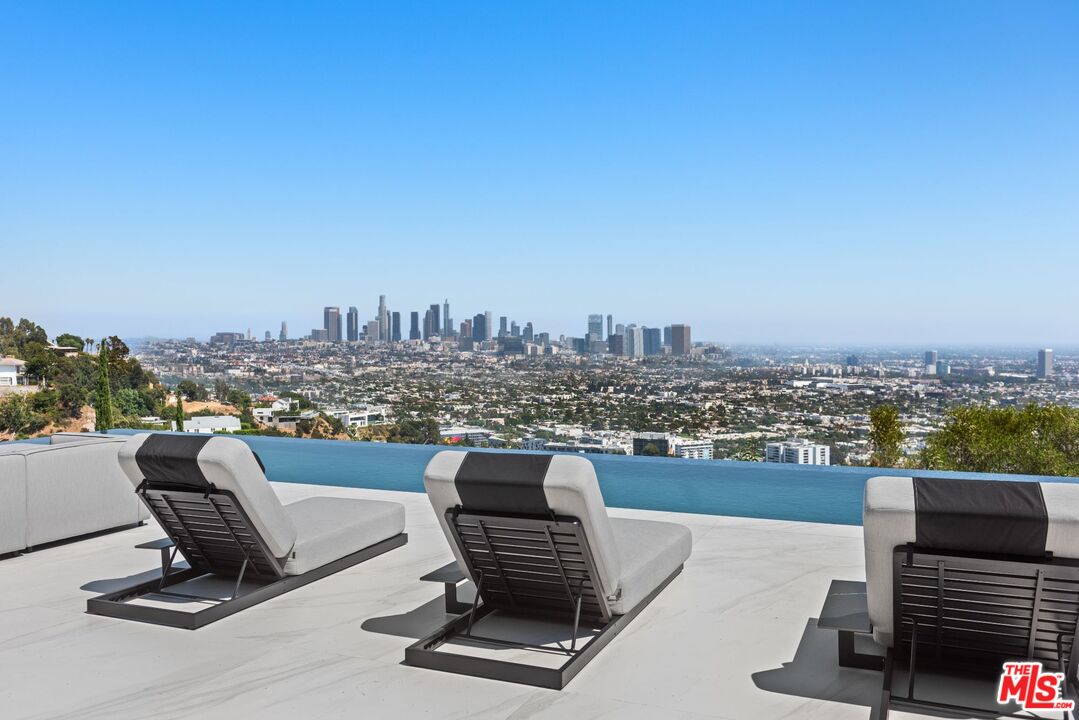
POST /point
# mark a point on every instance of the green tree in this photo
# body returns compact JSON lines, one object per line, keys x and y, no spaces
{"x":1031,"y":441}
{"x":18,"y":417}
{"x":179,"y":412}
{"x":651,"y":450}
{"x":129,"y":402}
{"x":221,"y":390}
{"x":191,"y":390}
{"x":885,"y":436}
{"x":69,"y":340}
{"x":103,"y":402}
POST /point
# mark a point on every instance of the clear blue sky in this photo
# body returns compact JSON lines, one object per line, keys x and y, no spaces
{"x":815,"y":172}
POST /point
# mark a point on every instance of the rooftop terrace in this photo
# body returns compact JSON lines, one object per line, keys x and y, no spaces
{"x":733,"y":636}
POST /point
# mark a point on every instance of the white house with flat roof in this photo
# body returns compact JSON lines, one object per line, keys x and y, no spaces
{"x":212,"y":424}
{"x":11,"y":371}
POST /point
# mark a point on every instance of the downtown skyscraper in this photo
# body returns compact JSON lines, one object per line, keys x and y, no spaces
{"x":414,"y":330}
{"x":352,"y":325}
{"x":331,"y":323}
{"x":383,"y":320}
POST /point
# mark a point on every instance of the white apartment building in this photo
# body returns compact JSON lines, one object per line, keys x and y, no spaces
{"x":212,"y":424}
{"x":801,"y":452}
{"x":694,"y":449}
{"x":533,"y":443}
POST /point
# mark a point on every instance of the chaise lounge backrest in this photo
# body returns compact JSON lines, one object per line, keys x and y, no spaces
{"x":197,"y":463}
{"x":538,"y":486}
{"x":973,"y":517}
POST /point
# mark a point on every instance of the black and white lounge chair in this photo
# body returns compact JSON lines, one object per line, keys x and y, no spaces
{"x":532,"y":533}
{"x":961,"y":576}
{"x":211,"y":497}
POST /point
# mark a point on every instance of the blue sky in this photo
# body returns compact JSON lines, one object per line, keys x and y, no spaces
{"x":818,"y":172}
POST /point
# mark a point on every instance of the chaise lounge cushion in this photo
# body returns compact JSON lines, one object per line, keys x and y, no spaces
{"x":891,"y":518}
{"x":632,"y":556}
{"x":650,"y":551}
{"x":329,"y":528}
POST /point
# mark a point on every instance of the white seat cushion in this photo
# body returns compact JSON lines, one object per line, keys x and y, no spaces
{"x":650,"y":552}
{"x":328,"y":529}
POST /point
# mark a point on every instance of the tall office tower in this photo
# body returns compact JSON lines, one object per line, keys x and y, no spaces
{"x":395,"y":322}
{"x":331,"y":323}
{"x":515,"y":329}
{"x":595,"y":327}
{"x":930,"y":362}
{"x":653,"y":341}
{"x":284,"y":332}
{"x":383,"y":319}
{"x":267,"y":338}
{"x":479,"y":326}
{"x":619,"y":329}
{"x":372,"y":330}
{"x":447,"y":322}
{"x":466,"y":330}
{"x":681,"y":342}
{"x":610,"y":324}
{"x":1045,"y":364}
{"x":529,"y":332}
{"x":352,"y":324}
{"x":488,"y":325}
{"x":436,"y":326}
{"x":249,"y":334}
{"x":414,"y":331}
{"x":616,"y":344}
{"x":667,"y":336}
{"x":633,"y":344}
{"x":428,"y":328}
{"x":502,"y":331}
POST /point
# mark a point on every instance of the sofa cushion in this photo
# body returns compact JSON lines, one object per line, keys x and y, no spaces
{"x":12,"y":501}
{"x":329,"y":528}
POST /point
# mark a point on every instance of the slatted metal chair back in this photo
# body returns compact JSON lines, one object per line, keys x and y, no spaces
{"x":988,"y":609}
{"x":212,"y":531}
{"x":538,"y":565}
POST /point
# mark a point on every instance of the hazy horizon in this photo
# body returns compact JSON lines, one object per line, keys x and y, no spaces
{"x":832,"y":174}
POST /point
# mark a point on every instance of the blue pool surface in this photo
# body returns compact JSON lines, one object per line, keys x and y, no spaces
{"x":810,"y":493}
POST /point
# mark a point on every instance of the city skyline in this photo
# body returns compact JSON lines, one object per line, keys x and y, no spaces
{"x":830,"y":173}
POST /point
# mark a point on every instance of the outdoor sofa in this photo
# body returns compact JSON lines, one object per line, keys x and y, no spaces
{"x":532,"y":533}
{"x":242,"y":546}
{"x":962,"y":576}
{"x":68,"y":488}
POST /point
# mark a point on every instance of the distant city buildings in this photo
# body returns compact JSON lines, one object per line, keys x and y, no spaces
{"x":1045,"y":364}
{"x":331,"y":323}
{"x":447,"y":321}
{"x":414,"y":330}
{"x":284,"y":332}
{"x":226,"y":338}
{"x":800,"y":452}
{"x":383,"y":320}
{"x":352,"y":326}
{"x":930,"y":362}
{"x":659,"y":441}
{"x":653,"y":342}
{"x":681,"y":343}
{"x":479,"y":326}
{"x":395,"y":333}
{"x":694,"y":449}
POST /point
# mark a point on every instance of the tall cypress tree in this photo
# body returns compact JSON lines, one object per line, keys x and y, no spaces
{"x":179,"y":411}
{"x":103,"y":402}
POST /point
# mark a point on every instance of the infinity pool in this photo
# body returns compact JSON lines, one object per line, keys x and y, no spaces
{"x":811,"y":493}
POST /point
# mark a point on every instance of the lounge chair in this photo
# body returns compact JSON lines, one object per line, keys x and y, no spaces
{"x":532,"y":533}
{"x":211,"y":497}
{"x":962,"y":575}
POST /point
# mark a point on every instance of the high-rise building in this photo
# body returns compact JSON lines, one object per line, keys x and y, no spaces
{"x":383,"y":319}
{"x":619,"y":329}
{"x":800,"y":452}
{"x":616,"y":344}
{"x":331,"y":323}
{"x":1045,"y":364}
{"x":466,"y":330}
{"x":515,"y":329}
{"x":284,"y":332}
{"x":610,"y":325}
{"x":479,"y":327}
{"x":320,"y":334}
{"x":447,"y":321}
{"x":488,"y":325}
{"x":503,"y":331}
{"x":267,"y":338}
{"x":653,"y":341}
{"x":414,"y":331}
{"x":436,"y":325}
{"x":633,"y":343}
{"x":529,"y":332}
{"x":681,"y":343}
{"x":428,"y":324}
{"x":352,"y":326}
{"x":372,"y":330}
{"x":395,"y":333}
{"x":661,"y":442}
{"x":943,"y":368}
{"x":595,"y":326}
{"x":667,"y":336}
{"x":930,"y":362}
